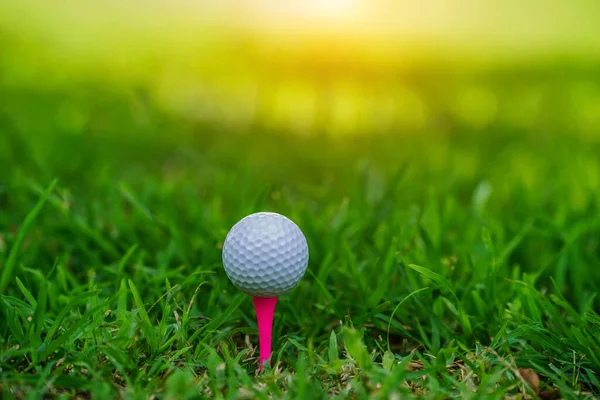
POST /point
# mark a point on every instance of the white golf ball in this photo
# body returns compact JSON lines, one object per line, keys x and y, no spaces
{"x":265,"y":254}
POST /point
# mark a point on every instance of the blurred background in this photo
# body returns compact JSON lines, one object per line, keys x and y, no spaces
{"x":334,"y":67}
{"x":307,"y":96}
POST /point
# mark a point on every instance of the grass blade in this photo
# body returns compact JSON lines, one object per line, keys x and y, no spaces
{"x":147,"y":328}
{"x":13,"y":255}
{"x":396,"y":309}
{"x":440,"y":280}
{"x":26,"y":293}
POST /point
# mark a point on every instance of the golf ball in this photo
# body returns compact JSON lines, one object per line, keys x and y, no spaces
{"x":265,"y":254}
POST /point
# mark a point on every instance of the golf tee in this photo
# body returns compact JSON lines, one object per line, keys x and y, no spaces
{"x":265,"y":309}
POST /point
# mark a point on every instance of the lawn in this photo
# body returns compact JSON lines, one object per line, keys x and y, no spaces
{"x":462,"y":260}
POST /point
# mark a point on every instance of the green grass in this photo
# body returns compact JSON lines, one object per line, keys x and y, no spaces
{"x":441,"y":263}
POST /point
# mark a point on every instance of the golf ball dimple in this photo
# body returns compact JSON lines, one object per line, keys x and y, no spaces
{"x":265,"y":254}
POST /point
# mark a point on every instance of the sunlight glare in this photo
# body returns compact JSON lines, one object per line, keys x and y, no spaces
{"x":331,"y":8}
{"x":309,"y":12}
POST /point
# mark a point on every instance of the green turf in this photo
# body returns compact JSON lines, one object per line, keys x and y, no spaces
{"x":440,"y":262}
